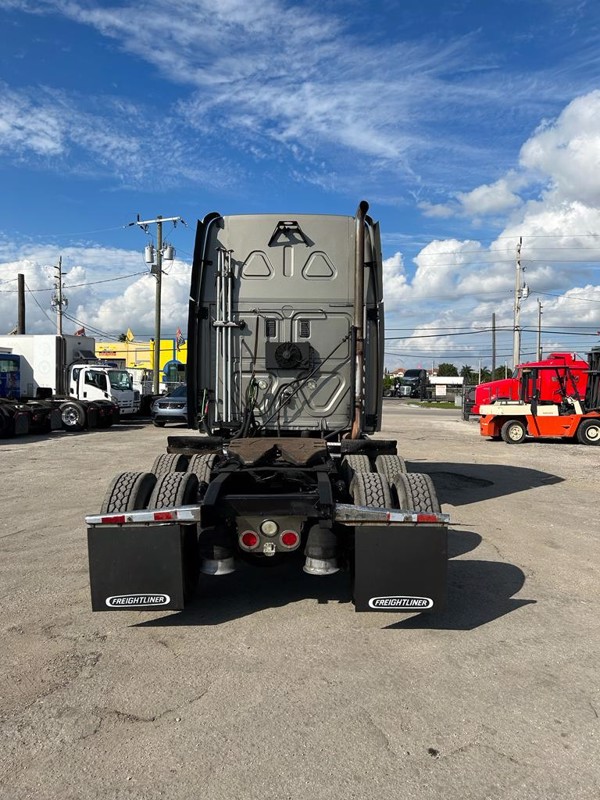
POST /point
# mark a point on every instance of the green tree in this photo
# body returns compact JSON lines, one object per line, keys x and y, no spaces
{"x":501,"y":372}
{"x":466,"y":372}
{"x":446,"y":370}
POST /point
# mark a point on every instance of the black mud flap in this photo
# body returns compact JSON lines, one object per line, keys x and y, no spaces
{"x":54,"y":419}
{"x":137,"y":568}
{"x":400,"y":568}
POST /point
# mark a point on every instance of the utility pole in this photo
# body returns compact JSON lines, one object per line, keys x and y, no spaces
{"x":493,"y":345}
{"x":21,"y":303}
{"x":539,"y":331}
{"x":59,"y":302}
{"x":155,"y":259}
{"x":521,"y":291}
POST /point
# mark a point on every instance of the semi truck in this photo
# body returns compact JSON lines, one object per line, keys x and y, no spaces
{"x":63,"y":372}
{"x":284,"y":394}
{"x":556,"y":398}
{"x":414,"y":383}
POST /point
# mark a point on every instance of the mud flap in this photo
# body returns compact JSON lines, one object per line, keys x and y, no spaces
{"x":137,"y":567}
{"x":400,"y":568}
{"x":54,"y":420}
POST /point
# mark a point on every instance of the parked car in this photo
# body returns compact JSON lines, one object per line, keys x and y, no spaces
{"x":171,"y":407}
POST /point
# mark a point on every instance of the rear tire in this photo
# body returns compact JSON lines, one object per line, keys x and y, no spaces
{"x":201,"y":464}
{"x":371,"y":489}
{"x":353,"y":464}
{"x":588,"y":432}
{"x":390,"y":466}
{"x":416,"y":492}
{"x":174,"y":489}
{"x":513,"y":432}
{"x":169,"y":462}
{"x":181,"y":489}
{"x":129,"y":491}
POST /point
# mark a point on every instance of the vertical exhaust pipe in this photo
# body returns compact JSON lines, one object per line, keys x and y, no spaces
{"x":359,"y":318}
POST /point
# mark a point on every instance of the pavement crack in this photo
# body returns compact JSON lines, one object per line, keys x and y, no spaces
{"x":125,"y":716}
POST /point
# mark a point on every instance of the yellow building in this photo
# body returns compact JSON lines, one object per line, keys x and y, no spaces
{"x":141,"y":354}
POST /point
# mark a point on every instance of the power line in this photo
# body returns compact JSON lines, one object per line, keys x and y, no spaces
{"x":37,"y":304}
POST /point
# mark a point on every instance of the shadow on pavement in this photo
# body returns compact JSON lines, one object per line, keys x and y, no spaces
{"x":252,"y":589}
{"x":460,"y":484}
{"x":460,"y":542}
{"x":478,"y":592}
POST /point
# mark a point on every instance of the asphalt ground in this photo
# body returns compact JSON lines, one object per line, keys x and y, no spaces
{"x":270,"y":686}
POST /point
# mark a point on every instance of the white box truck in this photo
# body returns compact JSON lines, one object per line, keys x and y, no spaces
{"x":64,"y":371}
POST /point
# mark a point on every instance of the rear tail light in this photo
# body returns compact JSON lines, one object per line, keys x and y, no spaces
{"x":290,"y":539}
{"x":249,"y":540}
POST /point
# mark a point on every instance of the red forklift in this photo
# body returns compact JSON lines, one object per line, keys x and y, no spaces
{"x":568,"y":415}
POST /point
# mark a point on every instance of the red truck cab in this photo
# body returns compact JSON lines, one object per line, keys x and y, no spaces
{"x":553,"y":384}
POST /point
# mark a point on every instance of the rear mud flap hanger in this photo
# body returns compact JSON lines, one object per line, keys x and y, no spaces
{"x":289,"y":227}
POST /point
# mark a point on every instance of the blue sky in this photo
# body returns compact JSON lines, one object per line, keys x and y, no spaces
{"x":464,"y":124}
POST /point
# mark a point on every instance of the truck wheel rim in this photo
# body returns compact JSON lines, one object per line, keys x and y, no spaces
{"x":70,"y":416}
{"x":515,"y":433}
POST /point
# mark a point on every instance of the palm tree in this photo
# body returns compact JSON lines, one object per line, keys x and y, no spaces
{"x":467,"y":373}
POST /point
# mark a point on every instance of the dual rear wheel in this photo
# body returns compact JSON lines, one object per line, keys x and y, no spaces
{"x":391,"y":486}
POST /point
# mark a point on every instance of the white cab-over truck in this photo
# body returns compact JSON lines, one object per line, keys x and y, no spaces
{"x":284,"y":380}
{"x":63,"y":370}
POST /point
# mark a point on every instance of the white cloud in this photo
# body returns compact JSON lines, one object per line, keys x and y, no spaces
{"x":437,"y":210}
{"x":29,"y":126}
{"x":495,"y":198}
{"x":566,"y":152}
{"x":394,"y":279}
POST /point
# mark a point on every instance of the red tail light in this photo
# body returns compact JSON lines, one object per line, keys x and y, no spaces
{"x":249,"y":540}
{"x":290,"y":539}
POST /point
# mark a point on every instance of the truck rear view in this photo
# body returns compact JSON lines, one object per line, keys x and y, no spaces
{"x":285,"y":371}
